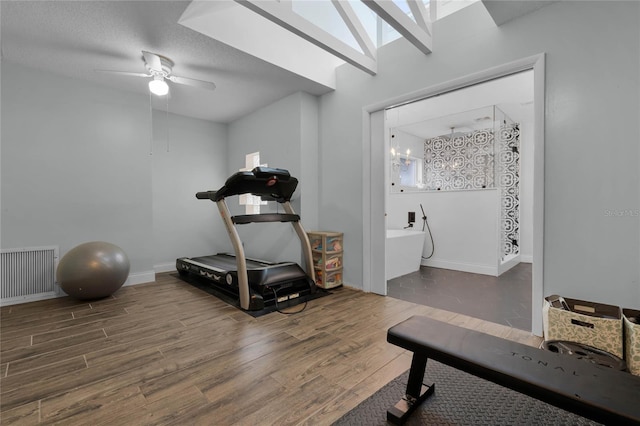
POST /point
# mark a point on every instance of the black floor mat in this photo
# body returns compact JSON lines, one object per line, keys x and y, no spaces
{"x":205,"y":285}
{"x":459,"y":399}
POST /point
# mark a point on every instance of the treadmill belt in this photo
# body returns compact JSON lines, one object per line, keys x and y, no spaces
{"x":227,"y":262}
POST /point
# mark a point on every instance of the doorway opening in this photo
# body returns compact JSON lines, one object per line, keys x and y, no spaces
{"x":390,"y":199}
{"x":462,"y":160}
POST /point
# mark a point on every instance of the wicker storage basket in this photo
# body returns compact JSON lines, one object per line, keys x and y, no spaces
{"x":632,"y":340}
{"x":593,"y":324}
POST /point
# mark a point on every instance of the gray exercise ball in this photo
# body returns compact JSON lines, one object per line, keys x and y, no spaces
{"x":93,"y":270}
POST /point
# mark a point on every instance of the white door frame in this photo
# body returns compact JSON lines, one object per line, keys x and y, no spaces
{"x":374,"y":192}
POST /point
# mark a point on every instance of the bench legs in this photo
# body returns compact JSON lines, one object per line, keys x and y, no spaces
{"x":416,"y":392}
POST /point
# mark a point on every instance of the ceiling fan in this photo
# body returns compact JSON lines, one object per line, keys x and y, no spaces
{"x":159,"y":69}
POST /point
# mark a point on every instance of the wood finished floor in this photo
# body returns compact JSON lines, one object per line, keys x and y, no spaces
{"x":168,"y":353}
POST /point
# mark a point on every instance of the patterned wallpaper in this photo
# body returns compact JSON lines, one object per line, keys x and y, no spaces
{"x":476,"y":161}
{"x":464,"y":161}
{"x":508,"y":171}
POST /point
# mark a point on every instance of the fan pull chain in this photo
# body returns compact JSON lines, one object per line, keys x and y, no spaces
{"x":166,"y":123}
{"x":151,"y":121}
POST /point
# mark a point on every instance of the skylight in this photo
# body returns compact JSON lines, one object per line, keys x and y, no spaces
{"x":447,"y":7}
{"x":312,"y":37}
{"x":324,"y":15}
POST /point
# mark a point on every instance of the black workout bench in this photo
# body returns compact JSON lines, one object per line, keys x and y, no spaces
{"x":592,"y":391}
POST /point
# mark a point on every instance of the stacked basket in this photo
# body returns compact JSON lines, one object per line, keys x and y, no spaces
{"x":632,"y":340}
{"x":605,"y":327}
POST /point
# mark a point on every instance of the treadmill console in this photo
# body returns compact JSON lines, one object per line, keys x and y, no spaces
{"x":267,"y":172}
{"x":266,"y":182}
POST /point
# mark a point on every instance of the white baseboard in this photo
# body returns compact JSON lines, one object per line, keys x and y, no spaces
{"x":30,"y":298}
{"x":132,"y":279}
{"x":464,"y":267}
{"x":508,"y":264}
{"x":165,"y":267}
{"x":351,"y":286}
{"x":140,"y":278}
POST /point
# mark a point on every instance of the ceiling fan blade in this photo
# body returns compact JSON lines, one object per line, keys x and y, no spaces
{"x":192,"y":82}
{"x":133,"y":74}
{"x":152,"y":60}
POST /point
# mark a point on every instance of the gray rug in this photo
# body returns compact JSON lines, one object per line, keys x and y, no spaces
{"x":460,"y":399}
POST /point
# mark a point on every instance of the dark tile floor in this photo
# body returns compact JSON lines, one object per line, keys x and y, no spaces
{"x":504,"y":300}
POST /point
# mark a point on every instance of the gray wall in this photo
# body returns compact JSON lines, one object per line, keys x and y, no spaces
{"x":75,"y":165}
{"x":78,"y":164}
{"x":591,"y":157}
{"x":189,"y":155}
{"x":65,"y":179}
{"x":285,"y":133}
{"x":82,"y":162}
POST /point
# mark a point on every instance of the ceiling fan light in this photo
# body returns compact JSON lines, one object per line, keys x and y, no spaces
{"x":158,"y":86}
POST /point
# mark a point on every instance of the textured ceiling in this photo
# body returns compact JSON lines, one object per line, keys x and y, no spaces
{"x":74,"y":38}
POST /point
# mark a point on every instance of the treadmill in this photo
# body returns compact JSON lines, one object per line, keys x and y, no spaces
{"x":257,"y":284}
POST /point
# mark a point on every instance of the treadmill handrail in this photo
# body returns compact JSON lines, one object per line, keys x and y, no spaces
{"x":264,"y":217}
{"x":206,"y":195}
{"x":270,"y":184}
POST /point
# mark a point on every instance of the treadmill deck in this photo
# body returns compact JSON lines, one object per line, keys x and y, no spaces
{"x":227,"y":262}
{"x":267,"y":281}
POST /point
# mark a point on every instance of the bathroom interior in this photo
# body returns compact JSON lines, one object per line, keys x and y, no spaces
{"x":459,"y":201}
